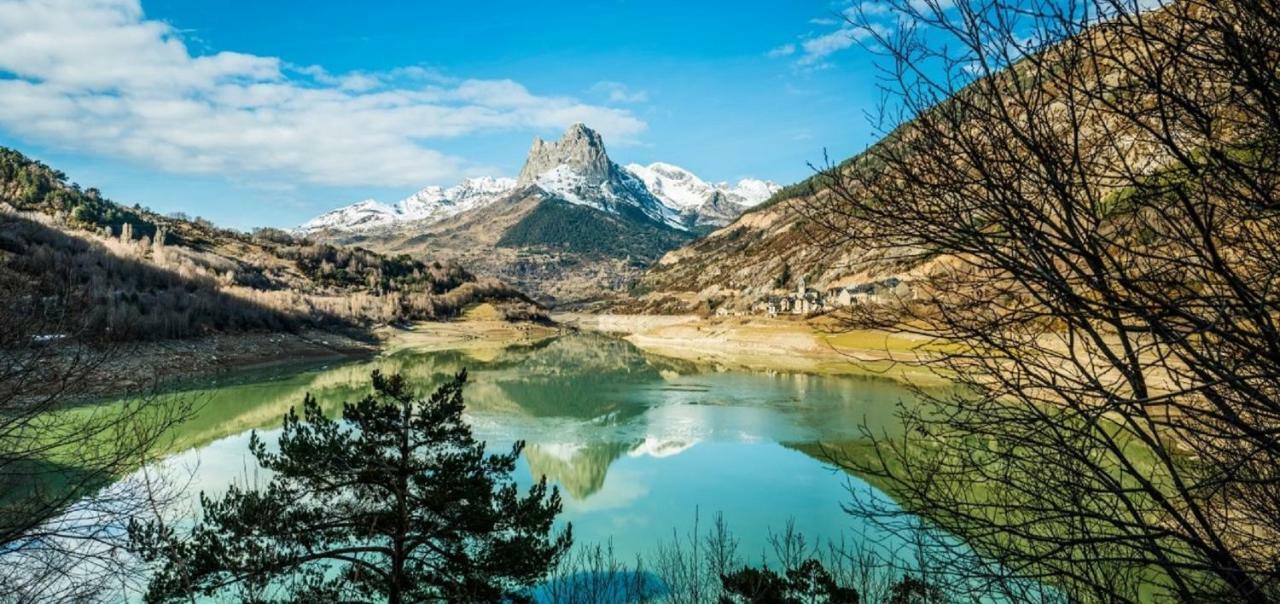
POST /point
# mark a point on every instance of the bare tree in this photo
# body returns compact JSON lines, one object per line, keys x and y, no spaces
{"x":70,"y":470}
{"x":1087,"y":194}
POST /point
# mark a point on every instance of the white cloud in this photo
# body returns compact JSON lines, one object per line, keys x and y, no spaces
{"x":97,"y":76}
{"x":924,"y":7}
{"x":785,"y":50}
{"x":856,"y":22}
{"x":818,"y":48}
{"x":617,"y":92}
{"x":868,"y":9}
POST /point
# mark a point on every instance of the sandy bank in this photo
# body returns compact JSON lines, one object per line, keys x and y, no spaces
{"x":474,"y":336}
{"x":764,"y":344}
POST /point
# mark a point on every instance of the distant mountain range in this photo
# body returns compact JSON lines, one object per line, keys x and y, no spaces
{"x":573,"y":226}
{"x":431,"y":203}
{"x":575,"y":169}
{"x":699,"y":203}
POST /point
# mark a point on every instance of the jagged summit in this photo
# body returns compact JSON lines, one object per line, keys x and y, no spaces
{"x":580,"y":151}
{"x":577,"y":169}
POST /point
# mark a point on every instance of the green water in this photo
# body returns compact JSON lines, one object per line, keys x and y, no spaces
{"x":639,"y":445}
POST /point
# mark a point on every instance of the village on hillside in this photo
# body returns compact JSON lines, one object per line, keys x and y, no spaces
{"x":805,"y":300}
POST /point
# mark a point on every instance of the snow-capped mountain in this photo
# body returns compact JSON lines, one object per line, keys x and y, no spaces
{"x":357,"y":216}
{"x":699,"y":202}
{"x":574,"y":225}
{"x":577,"y":170}
{"x":429,"y":205}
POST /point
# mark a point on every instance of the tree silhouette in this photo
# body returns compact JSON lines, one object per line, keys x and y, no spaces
{"x":68,"y":471}
{"x":1088,"y":191}
{"x":395,"y":502}
{"x":809,"y":582}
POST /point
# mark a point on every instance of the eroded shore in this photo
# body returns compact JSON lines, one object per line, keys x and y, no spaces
{"x":742,"y":343}
{"x":146,"y":366}
{"x":765,"y":344}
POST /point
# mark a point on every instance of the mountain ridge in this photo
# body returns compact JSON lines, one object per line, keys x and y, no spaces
{"x":574,"y":227}
{"x":702,"y":204}
{"x":577,"y":169}
{"x":429,"y":203}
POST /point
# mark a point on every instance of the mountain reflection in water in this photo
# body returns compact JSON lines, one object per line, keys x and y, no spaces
{"x":636,"y":442}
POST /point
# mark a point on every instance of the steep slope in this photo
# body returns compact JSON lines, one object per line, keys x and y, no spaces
{"x":774,"y":247}
{"x":764,"y":252}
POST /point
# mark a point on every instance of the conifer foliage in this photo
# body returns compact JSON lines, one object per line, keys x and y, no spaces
{"x":396,"y":501}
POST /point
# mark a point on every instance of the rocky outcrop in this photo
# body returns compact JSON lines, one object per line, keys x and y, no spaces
{"x":580,"y":151}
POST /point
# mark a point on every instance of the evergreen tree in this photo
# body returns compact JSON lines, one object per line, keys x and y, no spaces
{"x":784,"y":277}
{"x":396,"y":502}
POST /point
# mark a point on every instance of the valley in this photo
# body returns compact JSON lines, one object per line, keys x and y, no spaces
{"x":1014,"y":336}
{"x":574,"y":229}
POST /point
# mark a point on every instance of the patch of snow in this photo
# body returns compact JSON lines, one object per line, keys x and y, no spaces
{"x":621,"y":188}
{"x":674,"y":185}
{"x":566,"y":183}
{"x":750,"y":191}
{"x":682,"y":191}
{"x":566,"y":452}
{"x":360,"y":215}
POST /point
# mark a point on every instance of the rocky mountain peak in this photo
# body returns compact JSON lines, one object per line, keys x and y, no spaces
{"x":580,"y":151}
{"x":574,"y":169}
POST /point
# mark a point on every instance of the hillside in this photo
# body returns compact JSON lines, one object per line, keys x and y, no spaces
{"x":559,"y":225}
{"x":765,"y":252}
{"x":803,"y":236}
{"x":134,"y":274}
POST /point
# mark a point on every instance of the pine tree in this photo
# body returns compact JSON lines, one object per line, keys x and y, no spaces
{"x":396,"y":502}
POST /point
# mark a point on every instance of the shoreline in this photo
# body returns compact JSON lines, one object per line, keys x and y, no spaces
{"x":167,"y":364}
{"x":469,"y":335}
{"x":727,"y":343}
{"x":765,"y":344}
{"x":164,"y":364}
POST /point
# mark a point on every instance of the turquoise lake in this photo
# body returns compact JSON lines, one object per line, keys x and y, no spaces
{"x":640,"y":446}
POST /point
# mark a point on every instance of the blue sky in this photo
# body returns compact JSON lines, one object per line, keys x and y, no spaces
{"x":256,"y":113}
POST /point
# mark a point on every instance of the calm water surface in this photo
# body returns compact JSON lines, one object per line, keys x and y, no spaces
{"x":639,"y":445}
